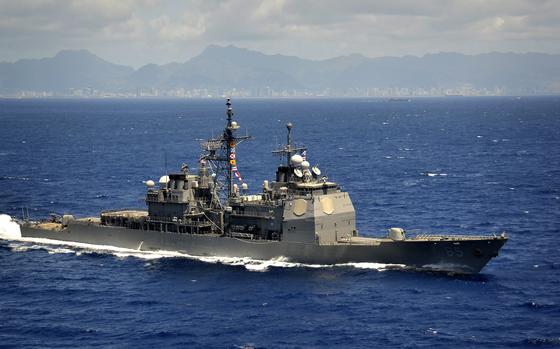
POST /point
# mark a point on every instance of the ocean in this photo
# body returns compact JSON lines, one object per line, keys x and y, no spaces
{"x":436,"y":165}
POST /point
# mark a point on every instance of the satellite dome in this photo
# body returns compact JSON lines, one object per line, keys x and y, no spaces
{"x":305,"y":164}
{"x":150,"y":183}
{"x":164,"y":180}
{"x":296,"y":160}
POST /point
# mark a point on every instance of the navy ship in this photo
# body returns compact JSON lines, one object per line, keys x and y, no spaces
{"x":301,"y":216}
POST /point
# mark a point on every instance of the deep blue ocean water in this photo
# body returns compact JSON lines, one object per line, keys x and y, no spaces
{"x":439,"y":165}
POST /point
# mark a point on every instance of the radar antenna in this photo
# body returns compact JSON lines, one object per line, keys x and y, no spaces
{"x":288,"y":149}
{"x":220,"y":154}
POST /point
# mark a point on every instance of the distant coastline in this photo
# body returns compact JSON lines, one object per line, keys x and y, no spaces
{"x":237,"y":72}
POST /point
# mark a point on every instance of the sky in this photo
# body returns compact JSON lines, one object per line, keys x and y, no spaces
{"x":137,"y":32}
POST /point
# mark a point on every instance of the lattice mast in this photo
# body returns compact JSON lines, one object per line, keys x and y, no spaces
{"x":230,"y":145}
{"x":221,"y":153}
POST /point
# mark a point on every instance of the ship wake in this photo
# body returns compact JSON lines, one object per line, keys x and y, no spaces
{"x":10,"y":231}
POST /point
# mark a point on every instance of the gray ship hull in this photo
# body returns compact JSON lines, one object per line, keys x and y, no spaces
{"x":461,"y":256}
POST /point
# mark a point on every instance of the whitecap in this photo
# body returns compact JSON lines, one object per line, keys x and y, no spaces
{"x":433,"y":174}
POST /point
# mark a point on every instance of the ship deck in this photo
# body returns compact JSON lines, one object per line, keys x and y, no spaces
{"x":374,"y":241}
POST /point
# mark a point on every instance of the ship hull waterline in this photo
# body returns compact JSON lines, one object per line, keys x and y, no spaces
{"x":465,"y":256}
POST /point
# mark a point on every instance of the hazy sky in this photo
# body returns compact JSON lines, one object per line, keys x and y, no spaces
{"x":136,"y":32}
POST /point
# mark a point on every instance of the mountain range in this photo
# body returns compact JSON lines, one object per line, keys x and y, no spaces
{"x":242,"y":69}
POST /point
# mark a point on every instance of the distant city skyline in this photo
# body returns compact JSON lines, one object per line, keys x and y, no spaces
{"x":138,"y":32}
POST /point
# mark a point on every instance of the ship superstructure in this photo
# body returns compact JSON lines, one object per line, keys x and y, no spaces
{"x":301,"y":205}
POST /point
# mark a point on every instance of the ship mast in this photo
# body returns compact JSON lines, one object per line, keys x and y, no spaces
{"x":221,"y":153}
{"x":289,"y":143}
{"x":288,"y":149}
{"x":230,"y":144}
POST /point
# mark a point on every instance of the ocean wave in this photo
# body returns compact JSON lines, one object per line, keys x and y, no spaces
{"x":9,"y":230}
{"x":14,"y":178}
{"x":538,"y":305}
{"x":542,"y":341}
{"x":411,"y":182}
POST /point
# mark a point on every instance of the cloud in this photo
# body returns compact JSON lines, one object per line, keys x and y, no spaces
{"x":142,"y":31}
{"x":62,"y":16}
{"x":185,"y":28}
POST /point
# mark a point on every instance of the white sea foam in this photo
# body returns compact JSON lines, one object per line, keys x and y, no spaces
{"x":60,"y":250}
{"x":377,"y":266}
{"x":9,"y":230}
{"x":432,"y":174}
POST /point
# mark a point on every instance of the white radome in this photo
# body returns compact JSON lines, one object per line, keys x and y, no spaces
{"x":296,"y":160}
{"x":150,"y":183}
{"x":305,"y":164}
{"x":164,"y":180}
